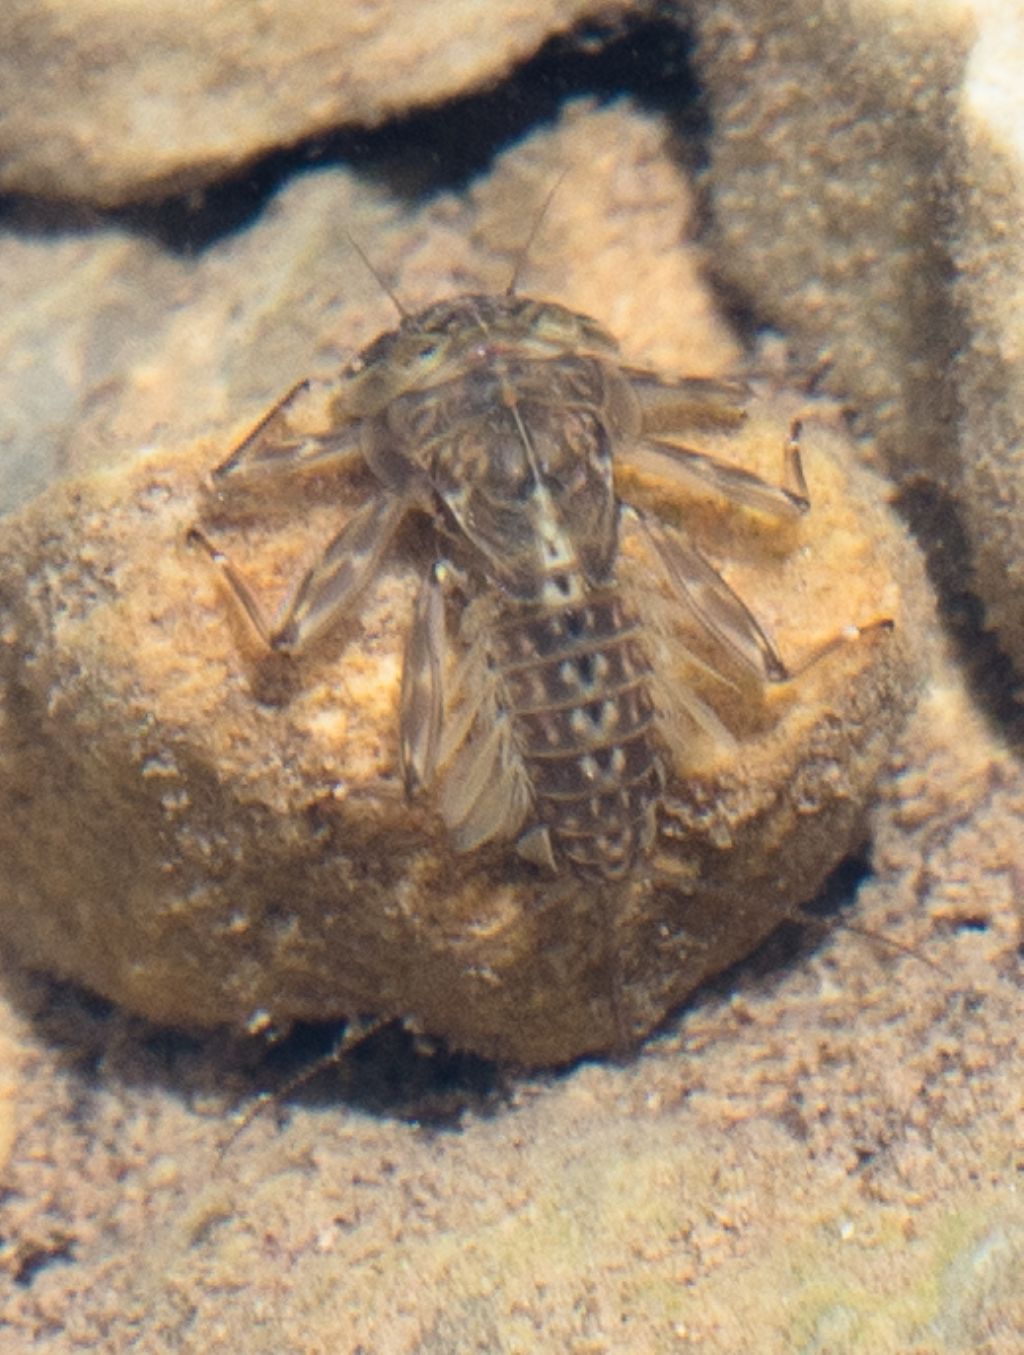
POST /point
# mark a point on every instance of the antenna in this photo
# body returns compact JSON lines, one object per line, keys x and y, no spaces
{"x":355,"y":1033}
{"x":524,"y":251}
{"x":392,"y":297}
{"x":825,"y":925}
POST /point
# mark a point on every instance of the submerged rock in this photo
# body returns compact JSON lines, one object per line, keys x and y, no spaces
{"x":867,"y":178}
{"x":116,"y":103}
{"x":207,"y":834}
{"x":210,"y":836}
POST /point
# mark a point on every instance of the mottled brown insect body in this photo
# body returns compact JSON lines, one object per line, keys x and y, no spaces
{"x":519,"y":448}
{"x":578,"y":687}
{"x":531,"y":710}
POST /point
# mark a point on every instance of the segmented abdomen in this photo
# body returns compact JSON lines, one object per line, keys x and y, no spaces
{"x":577,"y":684}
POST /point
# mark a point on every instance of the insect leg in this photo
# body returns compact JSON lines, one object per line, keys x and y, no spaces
{"x":274,"y":445}
{"x":422,"y":701}
{"x":848,"y":634}
{"x":695,"y":470}
{"x":436,"y":717}
{"x":724,"y":614}
{"x":341,"y":573}
{"x":355,"y":1033}
{"x":721,"y":611}
{"x":330,"y":586}
{"x":460,"y":737}
{"x":486,"y":796}
{"x":690,"y":403}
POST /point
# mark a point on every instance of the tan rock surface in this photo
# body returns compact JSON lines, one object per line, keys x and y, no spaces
{"x":223,"y":840}
{"x":112,"y":344}
{"x":823,"y":1153}
{"x":79,"y":312}
{"x":204,"y":837}
{"x":826,"y":161}
{"x":867,"y":178}
{"x":113,"y":102}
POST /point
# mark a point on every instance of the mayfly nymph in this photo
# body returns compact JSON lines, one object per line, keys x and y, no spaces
{"x":532,"y":711}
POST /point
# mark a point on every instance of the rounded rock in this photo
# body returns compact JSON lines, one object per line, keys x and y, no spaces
{"x":210,"y":835}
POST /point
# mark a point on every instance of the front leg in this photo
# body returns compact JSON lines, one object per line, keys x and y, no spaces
{"x":282,"y":443}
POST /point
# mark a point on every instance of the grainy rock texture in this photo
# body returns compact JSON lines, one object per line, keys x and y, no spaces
{"x":867,"y":178}
{"x":212,"y":838}
{"x":220,"y":839}
{"x":866,"y":175}
{"x":823,"y":1155}
{"x":828,"y":192}
{"x":111,"y":102}
{"x":79,"y":311}
{"x":989,"y":253}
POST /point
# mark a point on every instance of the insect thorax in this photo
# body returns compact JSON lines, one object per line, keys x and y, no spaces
{"x":518,"y":453}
